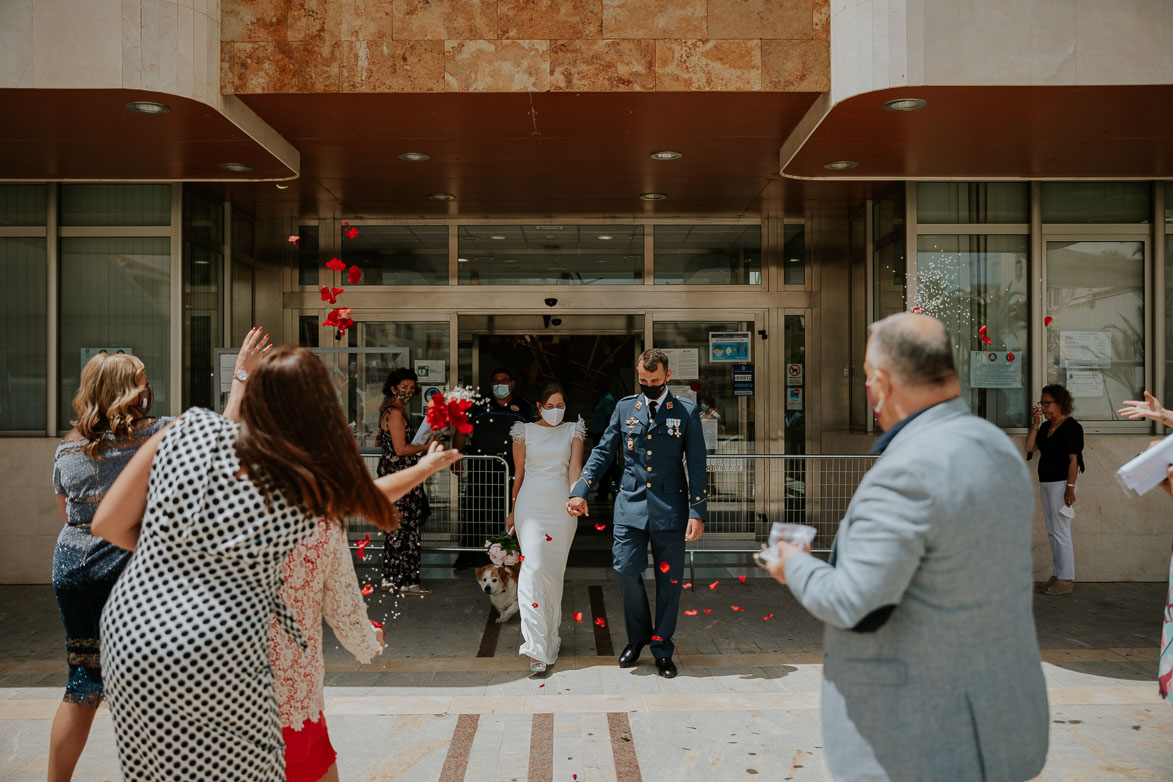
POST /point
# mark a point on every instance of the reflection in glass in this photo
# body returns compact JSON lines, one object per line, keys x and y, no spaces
{"x":1097,"y":202}
{"x":22,"y":342}
{"x":550,"y":254}
{"x":1095,"y":343}
{"x":888,"y":261}
{"x":115,"y":204}
{"x":794,"y":255}
{"x":22,"y":205}
{"x":970,"y":281}
{"x":709,"y":254}
{"x":115,"y":293}
{"x":307,"y":255}
{"x":972,"y":202}
{"x":399,"y":254}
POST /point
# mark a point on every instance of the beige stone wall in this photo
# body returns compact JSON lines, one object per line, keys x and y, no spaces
{"x":282,"y":46}
{"x":29,"y":518}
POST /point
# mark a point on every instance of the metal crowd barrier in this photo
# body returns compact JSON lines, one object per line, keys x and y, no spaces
{"x":469,"y":505}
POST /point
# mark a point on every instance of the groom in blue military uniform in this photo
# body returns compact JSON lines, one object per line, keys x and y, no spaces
{"x":656,"y":503}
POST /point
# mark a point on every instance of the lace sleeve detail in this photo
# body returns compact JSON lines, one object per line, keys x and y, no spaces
{"x":580,"y":429}
{"x":342,"y":604}
{"x":518,"y":432}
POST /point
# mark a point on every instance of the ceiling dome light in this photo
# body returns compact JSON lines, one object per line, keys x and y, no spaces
{"x":148,"y":107}
{"x":606,"y":237}
{"x":462,"y":260}
{"x":414,"y":157}
{"x":653,"y":196}
{"x":666,"y":154}
{"x":905,"y":104}
{"x":840,"y":165}
{"x":441,"y":197}
{"x":238,"y":167}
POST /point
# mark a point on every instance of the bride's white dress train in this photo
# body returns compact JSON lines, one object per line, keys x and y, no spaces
{"x":545,"y":531}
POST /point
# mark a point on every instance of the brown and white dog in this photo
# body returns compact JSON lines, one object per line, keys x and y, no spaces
{"x":499,"y":582}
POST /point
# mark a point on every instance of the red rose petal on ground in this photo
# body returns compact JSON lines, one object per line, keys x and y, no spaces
{"x":377,"y":625}
{"x":714,"y":585}
{"x":295,"y":241}
{"x":600,"y":621}
{"x":577,"y":616}
{"x":690,"y":612}
{"x":741,"y":579}
{"x":353,"y":275}
{"x":665,"y":567}
{"x":600,"y":527}
{"x":367,"y":589}
{"x":768,"y":616}
{"x":688,"y":585}
{"x":335,"y":264}
{"x":1047,"y":320}
{"x":708,"y":610}
{"x":548,"y":538}
{"x":535,"y":605}
{"x":737,"y":608}
{"x":657,"y":638}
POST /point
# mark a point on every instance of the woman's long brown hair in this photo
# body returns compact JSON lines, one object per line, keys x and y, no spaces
{"x":294,"y":440}
{"x":109,"y":390}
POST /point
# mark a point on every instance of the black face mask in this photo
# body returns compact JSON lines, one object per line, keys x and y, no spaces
{"x":651,"y":392}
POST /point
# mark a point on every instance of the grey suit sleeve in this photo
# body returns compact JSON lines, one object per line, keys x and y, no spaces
{"x":698,"y":477}
{"x":601,"y":456}
{"x":888,"y":528}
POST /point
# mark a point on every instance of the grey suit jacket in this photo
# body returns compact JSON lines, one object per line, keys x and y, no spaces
{"x":950,"y":685}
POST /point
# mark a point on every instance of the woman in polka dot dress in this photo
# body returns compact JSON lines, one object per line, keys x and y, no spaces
{"x":212,"y":509}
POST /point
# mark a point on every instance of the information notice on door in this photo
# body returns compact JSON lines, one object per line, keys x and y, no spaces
{"x":729,"y":346}
{"x":994,"y":369}
{"x":684,"y":363}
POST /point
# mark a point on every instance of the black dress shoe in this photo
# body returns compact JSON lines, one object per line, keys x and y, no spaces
{"x":630,"y":655}
{"x":665,"y":667}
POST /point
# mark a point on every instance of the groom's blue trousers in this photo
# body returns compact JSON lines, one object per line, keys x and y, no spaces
{"x":630,"y":553}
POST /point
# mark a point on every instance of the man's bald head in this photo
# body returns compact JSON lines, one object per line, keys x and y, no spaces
{"x":916,"y":350}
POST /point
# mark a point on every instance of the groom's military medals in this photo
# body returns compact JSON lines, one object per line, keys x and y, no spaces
{"x":630,"y":427}
{"x":674,"y":427}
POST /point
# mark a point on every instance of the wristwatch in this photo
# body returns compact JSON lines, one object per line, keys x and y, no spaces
{"x":240,"y":375}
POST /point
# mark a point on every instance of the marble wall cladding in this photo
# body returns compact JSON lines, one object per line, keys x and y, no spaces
{"x":550,"y":19}
{"x":689,"y":66}
{"x":16,"y":43}
{"x":29,"y":518}
{"x":603,"y":66}
{"x":524,"y":45}
{"x":821,"y":20}
{"x":290,"y":66}
{"x":796,"y":66}
{"x":497,"y":66}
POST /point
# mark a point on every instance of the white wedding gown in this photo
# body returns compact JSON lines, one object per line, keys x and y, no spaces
{"x":540,"y":513}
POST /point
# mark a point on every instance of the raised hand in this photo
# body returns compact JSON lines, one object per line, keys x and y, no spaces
{"x":255,"y":344}
{"x":437,"y":457}
{"x":577,"y":506}
{"x":1148,"y":408}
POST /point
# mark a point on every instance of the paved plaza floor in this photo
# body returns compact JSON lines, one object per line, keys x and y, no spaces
{"x":450,"y":700}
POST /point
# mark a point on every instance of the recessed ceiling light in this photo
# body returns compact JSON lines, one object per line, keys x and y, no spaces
{"x":840,"y":165}
{"x":498,"y":237}
{"x":653,"y":196}
{"x":414,"y":157}
{"x":509,"y":260}
{"x":462,"y":260}
{"x":235,"y":166}
{"x":605,"y":237}
{"x":905,"y":104}
{"x":148,"y":107}
{"x":666,"y":154}
{"x":441,"y":197}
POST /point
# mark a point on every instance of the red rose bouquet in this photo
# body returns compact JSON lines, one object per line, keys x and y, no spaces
{"x":446,"y":413}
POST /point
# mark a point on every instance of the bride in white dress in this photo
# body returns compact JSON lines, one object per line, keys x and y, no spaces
{"x":548,"y":459}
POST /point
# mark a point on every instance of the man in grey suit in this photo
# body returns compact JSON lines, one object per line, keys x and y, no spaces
{"x":931,"y":665}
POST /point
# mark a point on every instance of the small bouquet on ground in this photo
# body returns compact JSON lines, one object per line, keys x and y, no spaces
{"x":503,"y":550}
{"x":446,"y":413}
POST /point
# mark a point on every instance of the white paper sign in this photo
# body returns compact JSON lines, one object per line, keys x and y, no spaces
{"x":794,"y":399}
{"x":684,"y":363}
{"x":995,"y":369}
{"x":794,"y":374}
{"x":430,"y":372}
{"x":1085,"y":383}
{"x":684,"y":392}
{"x":709,"y":427}
{"x":730,"y":346}
{"x":1085,"y":348}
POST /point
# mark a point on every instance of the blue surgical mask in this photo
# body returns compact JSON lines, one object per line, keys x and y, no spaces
{"x":500,"y":390}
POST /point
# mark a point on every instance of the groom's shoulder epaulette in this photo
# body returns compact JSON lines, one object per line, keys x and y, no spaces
{"x":688,"y":404}
{"x":630,"y":398}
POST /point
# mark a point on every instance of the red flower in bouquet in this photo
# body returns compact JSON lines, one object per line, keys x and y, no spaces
{"x":451,"y":412}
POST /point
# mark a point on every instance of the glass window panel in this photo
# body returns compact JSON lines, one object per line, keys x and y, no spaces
{"x":1168,"y":202}
{"x":115,"y":204}
{"x":1095,"y":343}
{"x":859,"y":318}
{"x":794,"y":255}
{"x":973,"y":202}
{"x":22,"y":341}
{"x":708,"y":254}
{"x":889,"y":267}
{"x":794,"y":346}
{"x":115,"y":293}
{"x":203,"y":219}
{"x":423,"y":341}
{"x":307,"y":255}
{"x":307,"y":331}
{"x":550,"y":254}
{"x":968,"y":281}
{"x":399,"y":254}
{"x":243,"y":235}
{"x":1097,"y":202}
{"x":735,"y":414}
{"x":242,"y":300}
{"x":22,"y":205}
{"x":1168,"y":397}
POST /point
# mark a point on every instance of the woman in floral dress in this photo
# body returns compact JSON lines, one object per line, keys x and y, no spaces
{"x":401,"y":548}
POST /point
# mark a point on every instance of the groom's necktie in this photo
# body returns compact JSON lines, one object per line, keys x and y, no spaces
{"x":651,"y":410}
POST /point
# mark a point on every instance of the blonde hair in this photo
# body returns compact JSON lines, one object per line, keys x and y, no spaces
{"x":109,"y":390}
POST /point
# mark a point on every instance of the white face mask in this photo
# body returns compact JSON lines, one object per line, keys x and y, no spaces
{"x":553,"y":416}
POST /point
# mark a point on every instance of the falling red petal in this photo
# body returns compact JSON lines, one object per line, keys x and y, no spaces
{"x":708,"y":610}
{"x":983,"y":330}
{"x":657,"y":638}
{"x":737,"y":608}
{"x":665,"y":567}
{"x":367,"y":589}
{"x":535,"y":605}
{"x":577,"y":616}
{"x":295,"y":241}
{"x":377,"y":625}
{"x":521,"y":557}
{"x":548,"y":538}
{"x":714,"y":585}
{"x":351,"y":233}
{"x":335,"y":264}
{"x":540,"y":686}
{"x":916,"y":309}
{"x":362,"y":545}
{"x":741,"y":579}
{"x":674,"y":581}
{"x":345,"y":223}
{"x":688,"y":585}
{"x":600,"y":527}
{"x":768,"y":616}
{"x":1047,"y":320}
{"x":1010,"y":357}
{"x":690,"y":612}
{"x":600,"y":621}
{"x":353,"y":275}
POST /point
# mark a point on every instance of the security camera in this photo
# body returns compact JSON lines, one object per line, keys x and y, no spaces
{"x":550,"y":302}
{"x":557,"y":321}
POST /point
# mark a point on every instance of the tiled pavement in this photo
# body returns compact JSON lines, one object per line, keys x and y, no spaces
{"x":745,"y":705}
